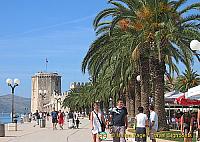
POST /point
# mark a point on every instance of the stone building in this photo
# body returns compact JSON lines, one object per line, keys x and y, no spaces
{"x":45,"y":86}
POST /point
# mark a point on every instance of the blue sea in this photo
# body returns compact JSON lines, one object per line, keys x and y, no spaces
{"x":5,"y":118}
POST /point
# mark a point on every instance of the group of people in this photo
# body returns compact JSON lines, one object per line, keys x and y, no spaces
{"x":73,"y":119}
{"x":56,"y":116}
{"x":144,"y":121}
{"x":188,"y":122}
{"x":118,"y":118}
{"x":119,"y":123}
{"x":39,"y":115}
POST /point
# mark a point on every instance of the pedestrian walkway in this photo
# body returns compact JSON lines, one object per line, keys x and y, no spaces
{"x":27,"y":133}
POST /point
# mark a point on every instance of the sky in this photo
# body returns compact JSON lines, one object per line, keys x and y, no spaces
{"x":33,"y":30}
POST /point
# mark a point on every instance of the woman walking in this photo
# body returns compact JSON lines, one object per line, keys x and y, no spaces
{"x":60,"y":119}
{"x":96,"y":121}
{"x":186,"y":127}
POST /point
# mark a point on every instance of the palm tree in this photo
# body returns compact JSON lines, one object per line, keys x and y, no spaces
{"x":108,"y":57}
{"x":160,"y":25}
{"x":80,"y":97}
{"x":169,"y":83}
{"x":189,"y":79}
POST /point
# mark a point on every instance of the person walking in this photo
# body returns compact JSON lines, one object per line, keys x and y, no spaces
{"x":141,"y":124}
{"x":96,"y":121}
{"x":186,"y":126}
{"x":120,"y":122}
{"x":75,"y":116}
{"x":70,"y":118}
{"x":54,"y":116}
{"x":48,"y":115}
{"x":37,"y":117}
{"x":193,"y":125}
{"x":66,"y":116}
{"x":153,"y":123}
{"x":60,"y":119}
{"x":41,"y":115}
{"x":77,"y":123}
{"x":198,"y":124}
{"x":29,"y":117}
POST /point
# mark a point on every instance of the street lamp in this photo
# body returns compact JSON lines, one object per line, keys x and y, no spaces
{"x":111,"y":102}
{"x":195,"y":45}
{"x":43,"y":93}
{"x":151,"y":100}
{"x":138,"y":78}
{"x":10,"y":83}
{"x":57,"y":97}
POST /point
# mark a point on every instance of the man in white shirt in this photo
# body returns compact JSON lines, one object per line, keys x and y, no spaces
{"x":153,"y":123}
{"x":141,"y":123}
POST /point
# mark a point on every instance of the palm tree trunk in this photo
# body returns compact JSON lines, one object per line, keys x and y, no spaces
{"x":131,"y":94}
{"x":159,"y":94}
{"x":127,"y":102}
{"x":114,"y":101}
{"x":152,"y":79}
{"x":137,"y":95}
{"x":145,"y":78}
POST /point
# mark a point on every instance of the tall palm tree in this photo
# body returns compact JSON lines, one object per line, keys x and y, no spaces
{"x":162,"y":26}
{"x":108,"y":57}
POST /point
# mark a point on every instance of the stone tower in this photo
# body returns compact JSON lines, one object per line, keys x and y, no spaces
{"x":47,"y":83}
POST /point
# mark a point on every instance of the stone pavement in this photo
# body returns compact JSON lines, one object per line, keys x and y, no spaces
{"x":27,"y":133}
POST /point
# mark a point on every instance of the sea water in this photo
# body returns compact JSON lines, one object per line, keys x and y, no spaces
{"x":5,"y":118}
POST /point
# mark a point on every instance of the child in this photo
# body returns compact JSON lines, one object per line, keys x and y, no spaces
{"x":77,"y":122}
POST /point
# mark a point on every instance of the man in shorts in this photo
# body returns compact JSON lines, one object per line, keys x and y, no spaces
{"x":54,"y":116}
{"x":141,"y":124}
{"x":153,"y":123}
{"x":120,"y":121}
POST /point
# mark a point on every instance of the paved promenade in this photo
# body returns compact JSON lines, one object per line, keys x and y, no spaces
{"x":27,"y":133}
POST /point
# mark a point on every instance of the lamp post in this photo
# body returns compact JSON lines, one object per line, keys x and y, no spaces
{"x":10,"y":83}
{"x":138,"y":93}
{"x":57,"y":97}
{"x":111,"y":103}
{"x":42,"y":93}
{"x":138,"y":78}
{"x":195,"y":45}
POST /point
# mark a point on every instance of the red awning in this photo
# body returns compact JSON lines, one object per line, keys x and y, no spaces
{"x":186,"y":102}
